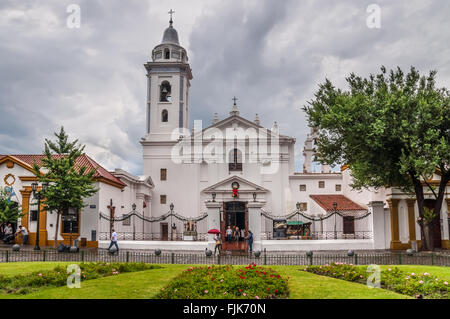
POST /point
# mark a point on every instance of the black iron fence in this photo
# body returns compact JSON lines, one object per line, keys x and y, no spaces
{"x":320,"y":235}
{"x":154,"y":236}
{"x":438,"y":259}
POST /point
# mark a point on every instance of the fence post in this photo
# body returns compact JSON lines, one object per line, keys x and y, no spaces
{"x":218,"y":259}
{"x":128,"y":256}
{"x":356,"y":258}
{"x":43,"y":256}
{"x":173,"y":258}
{"x":310,"y":259}
{"x":432,"y":259}
{"x":7,"y":256}
{"x":265,"y":258}
{"x":399,"y":258}
{"x":82,"y":256}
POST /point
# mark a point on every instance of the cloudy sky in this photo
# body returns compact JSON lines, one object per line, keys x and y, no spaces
{"x":270,"y":54}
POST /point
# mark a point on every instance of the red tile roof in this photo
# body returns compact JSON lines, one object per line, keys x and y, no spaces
{"x":83,"y":160}
{"x":343,"y":203}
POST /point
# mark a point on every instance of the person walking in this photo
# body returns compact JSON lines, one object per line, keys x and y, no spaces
{"x":236,"y":234}
{"x":249,"y":239}
{"x":229,"y":232}
{"x":114,"y":240}
{"x":218,"y":244}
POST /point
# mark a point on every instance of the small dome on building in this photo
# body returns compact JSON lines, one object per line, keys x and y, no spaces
{"x":170,"y":35}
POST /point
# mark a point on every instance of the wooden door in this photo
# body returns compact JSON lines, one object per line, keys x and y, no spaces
{"x":164,"y":231}
{"x":349,"y":225}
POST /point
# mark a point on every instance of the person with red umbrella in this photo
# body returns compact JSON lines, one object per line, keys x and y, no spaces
{"x":217,"y":239}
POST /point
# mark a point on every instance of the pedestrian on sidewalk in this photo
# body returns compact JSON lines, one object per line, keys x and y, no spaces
{"x":114,"y":240}
{"x":249,"y":239}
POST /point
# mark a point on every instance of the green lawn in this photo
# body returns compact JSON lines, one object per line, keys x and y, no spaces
{"x":17,"y":268}
{"x":145,"y":284}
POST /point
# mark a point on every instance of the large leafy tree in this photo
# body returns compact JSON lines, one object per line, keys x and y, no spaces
{"x":9,"y":210}
{"x":392,"y":129}
{"x":69,"y":183}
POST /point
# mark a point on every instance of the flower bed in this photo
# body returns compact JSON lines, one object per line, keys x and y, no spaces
{"x":226,"y":282}
{"x":416,"y":285}
{"x":24,"y":284}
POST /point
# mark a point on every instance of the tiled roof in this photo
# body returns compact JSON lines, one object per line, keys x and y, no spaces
{"x":83,"y":160}
{"x":343,"y":203}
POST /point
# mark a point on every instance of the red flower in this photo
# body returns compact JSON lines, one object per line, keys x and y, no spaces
{"x":276,"y":290}
{"x":240,"y":290}
{"x":268,"y":288}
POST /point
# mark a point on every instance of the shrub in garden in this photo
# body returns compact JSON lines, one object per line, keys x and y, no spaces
{"x":226,"y":282}
{"x":416,"y":285}
{"x":22,"y":284}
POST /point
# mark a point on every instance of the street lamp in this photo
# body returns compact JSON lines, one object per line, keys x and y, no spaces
{"x":171,"y":226}
{"x":335,"y":212}
{"x":38,"y":195}
{"x":134,"y":225}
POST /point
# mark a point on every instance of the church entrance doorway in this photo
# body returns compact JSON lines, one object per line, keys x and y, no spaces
{"x":235,"y":215}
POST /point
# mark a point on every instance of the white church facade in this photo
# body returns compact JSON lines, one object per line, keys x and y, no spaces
{"x":231,"y":172}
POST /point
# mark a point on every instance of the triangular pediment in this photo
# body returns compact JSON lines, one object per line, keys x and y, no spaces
{"x":236,"y":121}
{"x":245,"y":186}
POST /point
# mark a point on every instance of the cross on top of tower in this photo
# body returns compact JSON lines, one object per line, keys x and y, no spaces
{"x":234,"y":99}
{"x":171,"y":12}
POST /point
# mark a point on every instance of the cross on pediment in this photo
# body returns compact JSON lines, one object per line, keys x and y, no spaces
{"x":234,"y":99}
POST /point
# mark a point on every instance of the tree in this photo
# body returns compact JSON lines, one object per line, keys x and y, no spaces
{"x":9,"y":210}
{"x":69,"y":183}
{"x":392,"y":130}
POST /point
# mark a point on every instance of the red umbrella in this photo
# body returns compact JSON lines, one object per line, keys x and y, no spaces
{"x":213,"y":231}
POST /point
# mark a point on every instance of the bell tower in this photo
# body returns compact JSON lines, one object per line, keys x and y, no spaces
{"x":168,"y":82}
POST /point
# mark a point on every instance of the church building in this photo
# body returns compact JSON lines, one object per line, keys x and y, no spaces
{"x":229,"y":173}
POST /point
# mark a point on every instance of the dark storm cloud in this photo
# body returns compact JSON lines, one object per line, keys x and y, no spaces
{"x":270,"y":54}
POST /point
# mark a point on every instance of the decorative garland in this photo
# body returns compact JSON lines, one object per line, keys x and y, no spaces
{"x":297,"y":212}
{"x":152,"y":219}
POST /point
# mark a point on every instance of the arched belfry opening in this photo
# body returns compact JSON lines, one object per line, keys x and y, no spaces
{"x":167,"y":54}
{"x":166,"y":91}
{"x":164,"y":116}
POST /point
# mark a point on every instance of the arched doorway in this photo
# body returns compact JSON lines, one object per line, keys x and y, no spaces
{"x":235,"y":214}
{"x":436,"y":225}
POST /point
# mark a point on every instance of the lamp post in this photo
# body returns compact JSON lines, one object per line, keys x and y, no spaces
{"x":134,"y":225}
{"x":335,"y":212}
{"x":38,"y":195}
{"x":171,"y":226}
{"x":298,"y":209}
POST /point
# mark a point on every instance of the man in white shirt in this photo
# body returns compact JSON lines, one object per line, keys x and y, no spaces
{"x":8,"y":230}
{"x":24,"y":232}
{"x":114,"y":240}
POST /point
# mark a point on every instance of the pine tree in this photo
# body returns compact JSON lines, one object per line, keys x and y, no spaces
{"x":68,"y":182}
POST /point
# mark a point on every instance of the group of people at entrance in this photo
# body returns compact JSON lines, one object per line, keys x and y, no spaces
{"x":233,"y":233}
{"x":231,"y":236}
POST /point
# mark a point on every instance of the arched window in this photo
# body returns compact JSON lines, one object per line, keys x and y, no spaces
{"x":167,"y":54}
{"x":164,"y":116}
{"x":166,"y":91}
{"x":235,"y":160}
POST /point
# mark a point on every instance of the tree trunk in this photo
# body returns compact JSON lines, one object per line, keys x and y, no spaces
{"x":58,"y":213}
{"x":418,"y":189}
{"x":445,"y":178}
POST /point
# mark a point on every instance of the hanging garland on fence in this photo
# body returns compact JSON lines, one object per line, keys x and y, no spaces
{"x":152,"y":219}
{"x":269,"y":216}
